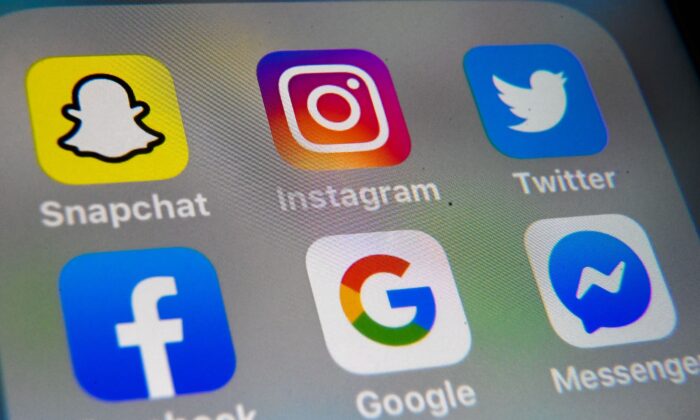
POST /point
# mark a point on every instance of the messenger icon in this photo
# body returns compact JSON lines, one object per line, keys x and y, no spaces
{"x":599,"y":280}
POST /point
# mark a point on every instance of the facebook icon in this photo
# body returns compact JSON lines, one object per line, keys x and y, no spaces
{"x":146,"y":324}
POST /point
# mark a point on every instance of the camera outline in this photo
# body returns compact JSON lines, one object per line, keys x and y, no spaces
{"x":377,"y":106}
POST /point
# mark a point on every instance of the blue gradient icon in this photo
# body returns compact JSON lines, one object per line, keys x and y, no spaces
{"x":535,"y":101}
{"x":146,"y":324}
{"x":599,"y":279}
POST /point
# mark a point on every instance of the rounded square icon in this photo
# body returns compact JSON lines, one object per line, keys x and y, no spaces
{"x":599,"y":280}
{"x":387,"y":302}
{"x":535,"y":101}
{"x":105,"y":119}
{"x":146,"y":324}
{"x":333,"y":109}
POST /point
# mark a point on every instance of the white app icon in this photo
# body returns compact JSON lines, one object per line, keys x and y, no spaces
{"x":599,"y":280}
{"x":542,"y":105}
{"x":356,"y":78}
{"x":387,"y":302}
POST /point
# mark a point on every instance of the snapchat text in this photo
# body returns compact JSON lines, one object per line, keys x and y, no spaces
{"x":115,"y":214}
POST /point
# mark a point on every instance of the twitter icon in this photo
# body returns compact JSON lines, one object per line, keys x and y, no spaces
{"x":535,"y":101}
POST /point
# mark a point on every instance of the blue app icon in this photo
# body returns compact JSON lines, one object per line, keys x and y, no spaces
{"x":535,"y":101}
{"x":146,"y":324}
{"x":599,"y":279}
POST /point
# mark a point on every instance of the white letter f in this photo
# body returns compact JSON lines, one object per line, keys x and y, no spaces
{"x":151,"y":334}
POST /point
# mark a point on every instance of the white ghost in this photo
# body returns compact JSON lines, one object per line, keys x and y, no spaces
{"x":108,"y":121}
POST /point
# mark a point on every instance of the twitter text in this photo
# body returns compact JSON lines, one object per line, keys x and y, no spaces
{"x":563,"y":181}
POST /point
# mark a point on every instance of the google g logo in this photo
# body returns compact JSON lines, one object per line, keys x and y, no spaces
{"x":419,"y":297}
{"x":387,"y":301}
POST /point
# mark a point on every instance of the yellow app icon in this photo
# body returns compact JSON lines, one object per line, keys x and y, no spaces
{"x":105,"y":119}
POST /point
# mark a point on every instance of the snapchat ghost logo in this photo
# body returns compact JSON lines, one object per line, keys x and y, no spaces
{"x":105,"y":119}
{"x":108,"y":121}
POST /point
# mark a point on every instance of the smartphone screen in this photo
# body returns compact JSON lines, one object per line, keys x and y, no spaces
{"x":339,"y":210}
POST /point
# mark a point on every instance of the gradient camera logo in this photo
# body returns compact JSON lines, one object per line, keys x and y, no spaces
{"x":599,"y":280}
{"x":333,"y":109}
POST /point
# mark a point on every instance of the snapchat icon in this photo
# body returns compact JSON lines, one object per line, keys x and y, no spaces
{"x":105,"y":119}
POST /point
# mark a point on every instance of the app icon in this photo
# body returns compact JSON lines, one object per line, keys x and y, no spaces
{"x":535,"y":101}
{"x":105,"y":119}
{"x":387,"y":302}
{"x":146,"y":324}
{"x":599,"y":280}
{"x":333,"y":109}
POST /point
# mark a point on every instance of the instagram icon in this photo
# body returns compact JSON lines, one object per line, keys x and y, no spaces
{"x":333,"y":109}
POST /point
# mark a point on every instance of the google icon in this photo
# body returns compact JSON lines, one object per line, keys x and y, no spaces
{"x":387,"y":301}
{"x":419,"y":297}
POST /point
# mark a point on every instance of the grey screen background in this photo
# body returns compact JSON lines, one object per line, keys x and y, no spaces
{"x":284,"y":369}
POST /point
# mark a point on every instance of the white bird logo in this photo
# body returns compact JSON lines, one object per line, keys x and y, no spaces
{"x":542,"y":105}
{"x":609,"y":282}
